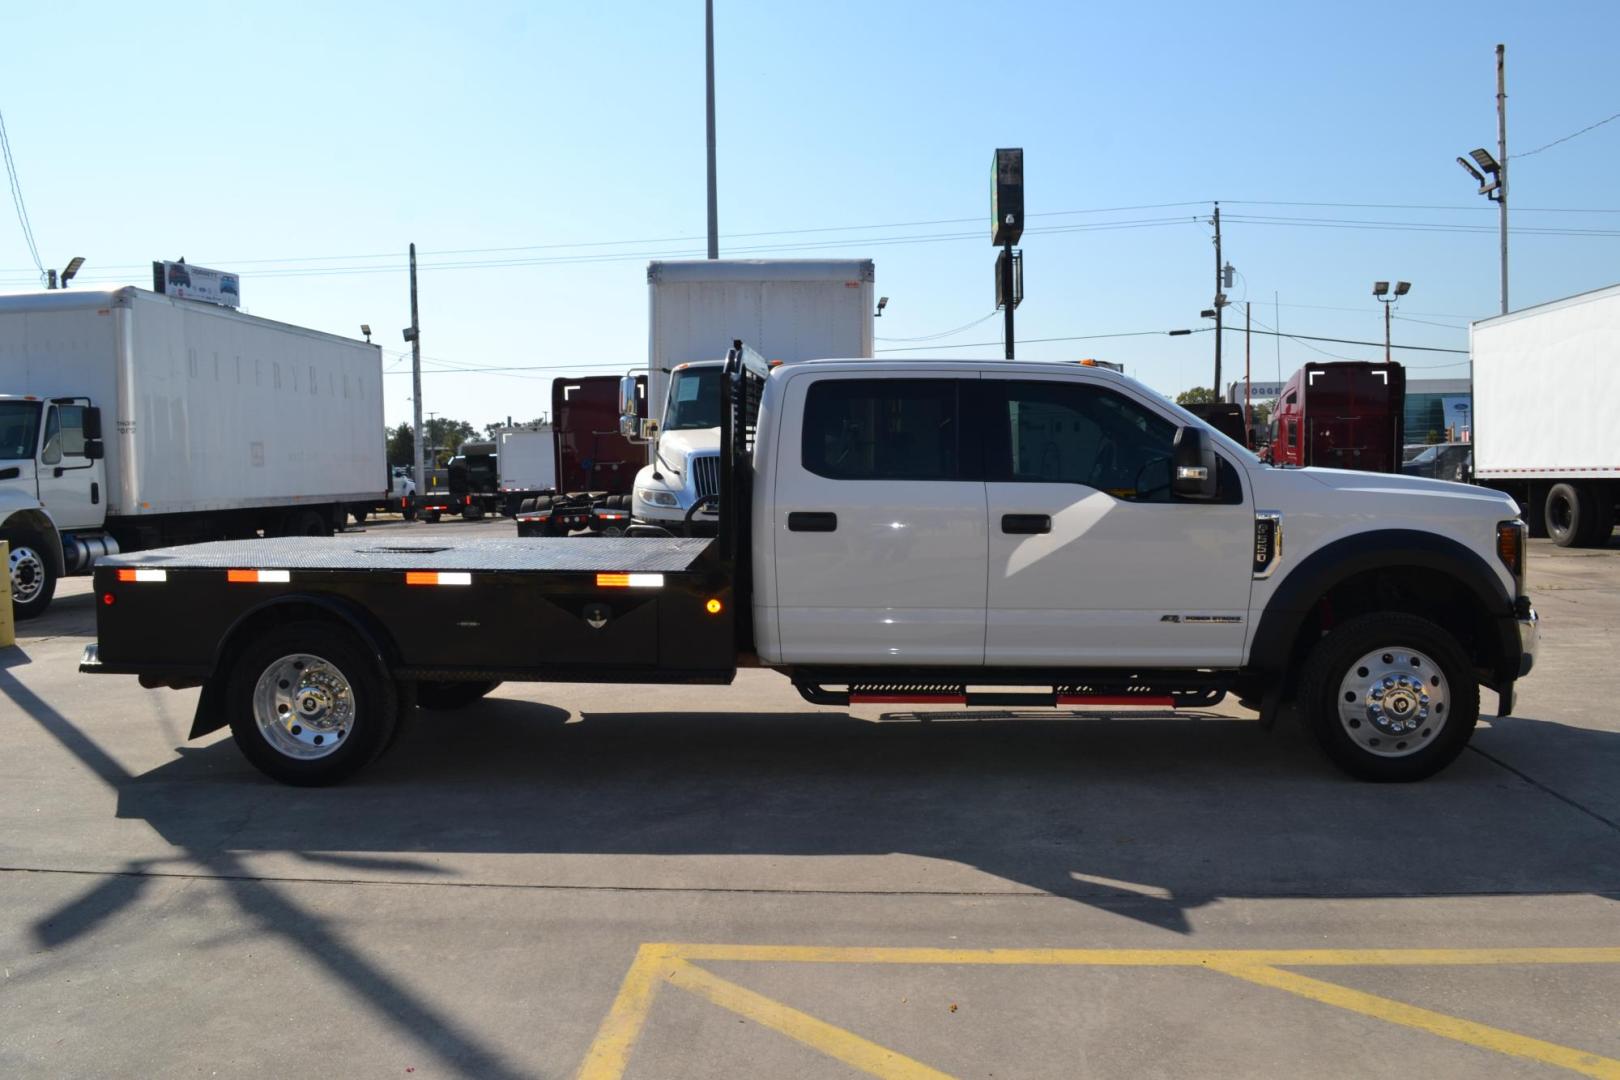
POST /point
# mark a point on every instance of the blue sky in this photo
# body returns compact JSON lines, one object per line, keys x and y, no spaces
{"x":305,"y":145}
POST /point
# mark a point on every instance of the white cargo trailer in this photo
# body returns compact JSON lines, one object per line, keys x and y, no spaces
{"x":526,"y":460}
{"x":788,"y":309}
{"x":1546,"y":386}
{"x":130,"y":419}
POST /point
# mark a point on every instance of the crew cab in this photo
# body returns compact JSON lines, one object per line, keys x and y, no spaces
{"x":948,"y":532}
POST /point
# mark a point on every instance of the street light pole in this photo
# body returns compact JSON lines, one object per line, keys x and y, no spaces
{"x":1387,"y":297}
{"x":415,"y":337}
{"x":708,"y":85}
{"x":1219,"y":302}
{"x":1502,"y":159}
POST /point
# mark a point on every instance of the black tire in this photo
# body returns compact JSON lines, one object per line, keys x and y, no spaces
{"x":373,"y":710}
{"x":1333,"y":664}
{"x":306,"y":523}
{"x":29,"y":575}
{"x":430,"y":516}
{"x":444,"y":696}
{"x":1566,"y":513}
{"x":1600,"y":520}
{"x":473,"y":513}
{"x":359,"y":516}
{"x":408,"y":513}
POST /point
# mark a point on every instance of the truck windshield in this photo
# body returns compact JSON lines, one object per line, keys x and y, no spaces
{"x":19,"y":429}
{"x":694,"y":399}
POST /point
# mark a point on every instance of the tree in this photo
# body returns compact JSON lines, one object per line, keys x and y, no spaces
{"x":1198,"y":395}
{"x":401,"y":446}
{"x":444,"y":438}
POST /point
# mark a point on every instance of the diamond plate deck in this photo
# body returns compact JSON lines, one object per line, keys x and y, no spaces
{"x":490,"y":555}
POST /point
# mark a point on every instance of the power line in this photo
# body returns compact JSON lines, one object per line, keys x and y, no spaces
{"x":1568,"y":137}
{"x":943,"y":333}
{"x":17,"y":197}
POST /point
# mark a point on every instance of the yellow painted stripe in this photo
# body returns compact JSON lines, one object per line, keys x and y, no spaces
{"x":1447,"y":1027}
{"x":835,"y":1042}
{"x":833,"y":954}
{"x":609,"y":1054}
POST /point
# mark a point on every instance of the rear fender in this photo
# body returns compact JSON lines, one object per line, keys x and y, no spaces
{"x":379,"y":645}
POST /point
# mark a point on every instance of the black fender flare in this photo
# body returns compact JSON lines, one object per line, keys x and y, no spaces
{"x":372,"y":634}
{"x":1302,"y":587}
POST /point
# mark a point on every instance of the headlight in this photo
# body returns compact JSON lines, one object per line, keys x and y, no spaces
{"x":654,"y":497}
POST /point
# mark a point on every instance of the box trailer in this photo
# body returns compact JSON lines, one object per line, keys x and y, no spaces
{"x":1344,"y":415}
{"x":789,"y":309}
{"x":131,"y":420}
{"x":1545,"y":388}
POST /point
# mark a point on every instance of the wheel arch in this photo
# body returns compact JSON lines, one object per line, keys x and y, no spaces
{"x":35,"y":520}
{"x":297,"y":607}
{"x":1388,"y":569}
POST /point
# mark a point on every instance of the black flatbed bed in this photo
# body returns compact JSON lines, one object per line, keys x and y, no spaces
{"x":492,"y":555}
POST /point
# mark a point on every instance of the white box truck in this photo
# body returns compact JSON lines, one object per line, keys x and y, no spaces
{"x":789,"y":309}
{"x":1546,"y":384}
{"x":130,"y":420}
{"x":526,"y":462}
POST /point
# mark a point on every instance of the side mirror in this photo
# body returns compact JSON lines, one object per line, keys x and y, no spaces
{"x":92,"y":423}
{"x":1195,"y":464}
{"x":629,"y":408}
{"x":95,"y":449}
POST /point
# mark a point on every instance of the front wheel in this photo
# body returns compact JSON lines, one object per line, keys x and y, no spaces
{"x":1390,"y":697}
{"x":32,"y":581}
{"x":308,"y":706}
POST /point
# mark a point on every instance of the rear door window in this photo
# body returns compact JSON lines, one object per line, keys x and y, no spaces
{"x":883,"y":429}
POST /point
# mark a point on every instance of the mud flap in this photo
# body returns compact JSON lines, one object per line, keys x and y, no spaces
{"x":1504,"y":699}
{"x":210,"y":715}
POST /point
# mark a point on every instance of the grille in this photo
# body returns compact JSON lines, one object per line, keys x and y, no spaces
{"x":706,"y":475}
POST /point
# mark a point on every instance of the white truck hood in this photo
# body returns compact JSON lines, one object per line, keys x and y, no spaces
{"x":676,"y":446}
{"x":1400,"y":484}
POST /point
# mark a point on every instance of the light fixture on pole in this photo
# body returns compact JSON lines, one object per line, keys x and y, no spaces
{"x":1491,"y":175}
{"x":883,"y":302}
{"x":365,"y":328}
{"x":70,"y":271}
{"x":1387,"y":297}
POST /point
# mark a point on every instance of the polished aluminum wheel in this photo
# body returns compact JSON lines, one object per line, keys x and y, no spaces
{"x":1394,"y":702}
{"x":27,"y":575}
{"x":304,"y":706}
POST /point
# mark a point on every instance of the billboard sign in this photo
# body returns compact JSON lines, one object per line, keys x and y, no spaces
{"x":197,"y":283}
{"x":1258,"y":391}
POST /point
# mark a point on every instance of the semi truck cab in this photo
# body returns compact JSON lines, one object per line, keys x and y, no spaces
{"x":685,"y":454}
{"x":52,"y":493}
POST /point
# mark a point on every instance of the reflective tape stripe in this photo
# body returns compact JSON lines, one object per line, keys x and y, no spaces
{"x":630,"y":581}
{"x":259,"y":577}
{"x":143,"y":575}
{"x":438,"y":577}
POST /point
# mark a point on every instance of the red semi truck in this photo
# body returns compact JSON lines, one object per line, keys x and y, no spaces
{"x":1346,"y":415}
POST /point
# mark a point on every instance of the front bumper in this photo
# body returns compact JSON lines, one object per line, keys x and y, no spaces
{"x":1529,"y":634}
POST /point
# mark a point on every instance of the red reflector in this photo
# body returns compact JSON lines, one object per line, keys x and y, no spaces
{"x":1164,"y":701}
{"x":108,"y":599}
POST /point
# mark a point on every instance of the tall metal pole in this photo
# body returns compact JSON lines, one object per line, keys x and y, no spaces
{"x":714,"y":199}
{"x":1218,"y":304}
{"x":1387,"y":306}
{"x":1007,"y":280}
{"x":1248,"y":327}
{"x":420,"y":436}
{"x":1502,"y":162}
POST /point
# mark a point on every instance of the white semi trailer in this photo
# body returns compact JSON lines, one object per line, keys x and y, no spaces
{"x":1545,"y":388}
{"x":130,"y":420}
{"x":789,"y":309}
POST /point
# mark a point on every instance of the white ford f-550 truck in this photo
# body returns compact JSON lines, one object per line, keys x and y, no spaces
{"x":962,"y":532}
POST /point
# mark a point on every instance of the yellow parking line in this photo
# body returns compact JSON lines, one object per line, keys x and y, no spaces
{"x":832,"y":954}
{"x":616,"y":1038}
{"x":819,"y":1035}
{"x":673,"y":962}
{"x":1448,"y":1027}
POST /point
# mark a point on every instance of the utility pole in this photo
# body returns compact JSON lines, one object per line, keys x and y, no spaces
{"x":1219,"y":301}
{"x":415,"y":336}
{"x":1248,"y":327}
{"x":1502,"y":158}
{"x":714,"y":200}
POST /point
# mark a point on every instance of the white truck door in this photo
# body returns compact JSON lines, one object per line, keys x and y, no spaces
{"x":879,"y":521}
{"x":1092,"y":561}
{"x":71,"y":486}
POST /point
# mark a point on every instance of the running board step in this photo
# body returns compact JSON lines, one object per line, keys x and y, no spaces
{"x":1072,"y":696}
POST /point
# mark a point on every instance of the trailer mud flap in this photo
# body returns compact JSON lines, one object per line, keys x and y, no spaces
{"x":210,"y":715}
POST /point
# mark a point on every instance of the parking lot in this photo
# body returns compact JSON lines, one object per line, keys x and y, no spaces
{"x":713,"y":882}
